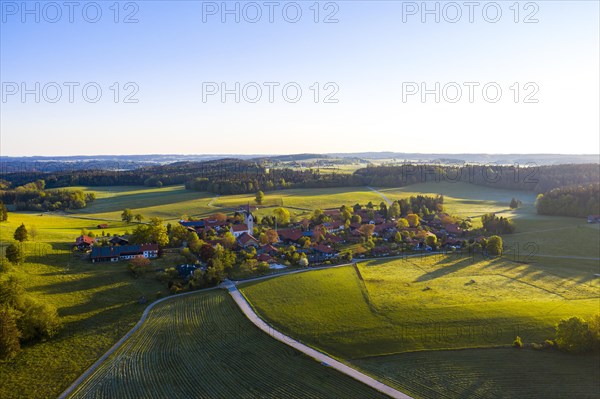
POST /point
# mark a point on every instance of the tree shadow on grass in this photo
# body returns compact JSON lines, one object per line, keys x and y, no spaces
{"x":451,"y":267}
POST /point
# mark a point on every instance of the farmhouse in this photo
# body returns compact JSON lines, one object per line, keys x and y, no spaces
{"x":116,"y":240}
{"x":114,"y":253}
{"x":246,"y":240}
{"x":84,"y":242}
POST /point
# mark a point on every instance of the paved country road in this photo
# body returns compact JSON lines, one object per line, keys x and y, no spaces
{"x":318,"y":356}
{"x":382,"y":195}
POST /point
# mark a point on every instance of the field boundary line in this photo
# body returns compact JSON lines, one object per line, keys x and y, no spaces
{"x":245,"y":307}
{"x":71,"y":389}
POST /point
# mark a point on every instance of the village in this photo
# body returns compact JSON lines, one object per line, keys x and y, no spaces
{"x":324,"y":237}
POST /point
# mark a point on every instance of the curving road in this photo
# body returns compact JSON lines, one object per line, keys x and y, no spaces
{"x":318,"y":356}
{"x":382,"y":195}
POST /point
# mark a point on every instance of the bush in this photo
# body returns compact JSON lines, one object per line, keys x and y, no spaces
{"x":9,"y":334}
{"x":39,"y":321}
{"x":139,"y":266}
{"x":549,"y":343}
{"x":14,"y":253}
{"x":5,"y":265}
{"x":517,"y":343}
{"x":573,"y":335}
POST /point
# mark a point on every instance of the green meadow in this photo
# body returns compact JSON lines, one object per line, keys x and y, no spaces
{"x":394,"y":307}
{"x":434,"y":302}
{"x":202,"y":346}
{"x":488,"y":373}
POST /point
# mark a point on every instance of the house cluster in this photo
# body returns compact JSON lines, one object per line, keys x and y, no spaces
{"x":320,"y":242}
{"x":119,"y":249}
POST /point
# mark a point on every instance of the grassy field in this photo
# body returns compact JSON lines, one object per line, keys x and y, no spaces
{"x":489,"y":373}
{"x":202,"y":346}
{"x":467,"y":200}
{"x":306,"y":199}
{"x":422,"y":303}
{"x":97,"y":304}
{"x":169,"y":203}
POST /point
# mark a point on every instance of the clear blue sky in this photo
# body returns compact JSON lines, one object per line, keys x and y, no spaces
{"x":370,"y":55}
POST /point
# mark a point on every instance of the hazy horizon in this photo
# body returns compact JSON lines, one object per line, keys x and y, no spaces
{"x":365,"y":59}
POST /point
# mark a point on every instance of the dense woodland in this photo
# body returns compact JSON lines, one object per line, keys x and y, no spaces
{"x":233,"y":176}
{"x":579,"y":201}
{"x":34,"y":197}
{"x":533,"y":178}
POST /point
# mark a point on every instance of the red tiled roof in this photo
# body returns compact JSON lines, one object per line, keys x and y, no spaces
{"x":264,"y":258}
{"x":453,"y":229}
{"x":84,"y":240}
{"x":239,"y":227}
{"x":290,"y":234}
{"x":268,"y":248}
{"x":246,"y":238}
{"x":324,"y":248}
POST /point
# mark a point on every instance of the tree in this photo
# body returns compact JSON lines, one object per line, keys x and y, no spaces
{"x":494,"y":246}
{"x":260,"y":196}
{"x":38,"y":321}
{"x":177,"y":235}
{"x":9,"y":334}
{"x":518,"y":343}
{"x":282,"y":215}
{"x":356,"y":219}
{"x":303,"y":262}
{"x":594,"y":325}
{"x":413,"y":220}
{"x":3,"y":212}
{"x":393,"y":210}
{"x":228,"y":240}
{"x":154,"y":232}
{"x":402,"y":223}
{"x":127,"y":215}
{"x":138,"y":217}
{"x":14,"y":253}
{"x":158,"y":232}
{"x":21,"y":233}
{"x":514,"y":203}
{"x":33,"y":232}
{"x":431,"y":241}
{"x":5,"y":265}
{"x":573,"y":335}
{"x":272,"y":236}
{"x":367,"y":230}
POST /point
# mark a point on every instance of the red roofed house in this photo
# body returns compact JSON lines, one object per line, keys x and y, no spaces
{"x":246,"y":240}
{"x":239,"y":229}
{"x":324,"y":249}
{"x":453,"y":229}
{"x":84,"y":242}
{"x":290,"y":234}
{"x":265,"y":258}
{"x":268,"y":249}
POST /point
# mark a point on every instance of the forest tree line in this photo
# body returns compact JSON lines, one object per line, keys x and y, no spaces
{"x":578,"y":201}
{"x":34,"y":197}
{"x":234,"y":176}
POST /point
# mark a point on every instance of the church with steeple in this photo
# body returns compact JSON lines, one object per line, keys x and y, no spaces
{"x":246,"y":227}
